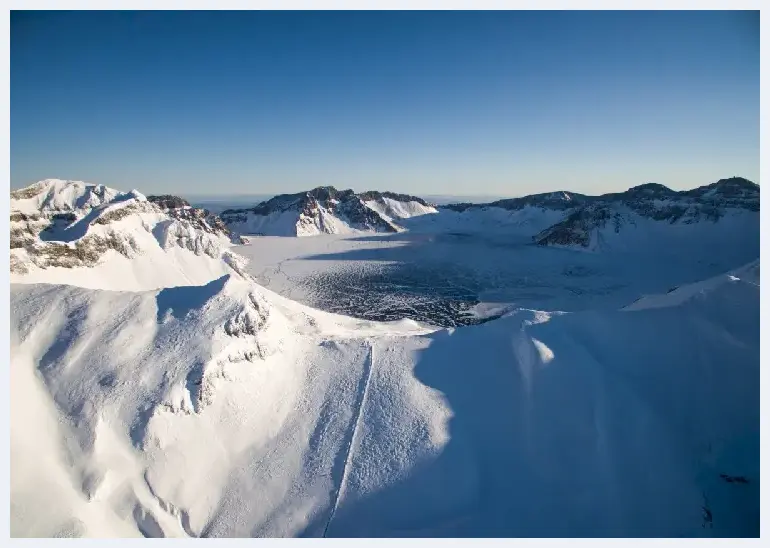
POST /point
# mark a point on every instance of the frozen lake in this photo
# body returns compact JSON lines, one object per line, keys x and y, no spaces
{"x":458,"y":278}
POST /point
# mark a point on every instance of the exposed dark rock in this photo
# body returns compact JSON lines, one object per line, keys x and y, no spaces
{"x":84,"y":252}
{"x":576,"y":228}
{"x":28,"y":192}
{"x":179,"y":208}
{"x":167,"y":201}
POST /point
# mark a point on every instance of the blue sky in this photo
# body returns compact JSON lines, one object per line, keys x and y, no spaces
{"x":463,"y":103}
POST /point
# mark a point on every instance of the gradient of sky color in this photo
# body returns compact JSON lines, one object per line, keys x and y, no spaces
{"x":463,"y":103}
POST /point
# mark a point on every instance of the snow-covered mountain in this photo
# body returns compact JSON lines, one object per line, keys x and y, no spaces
{"x":607,"y":220}
{"x":727,"y":209}
{"x":649,"y":213}
{"x":326,"y":210}
{"x":323,"y":210}
{"x":90,"y":235}
{"x":156,"y":391}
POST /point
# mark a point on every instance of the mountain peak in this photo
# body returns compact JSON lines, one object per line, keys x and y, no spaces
{"x":737,"y":183}
{"x":650,"y":189}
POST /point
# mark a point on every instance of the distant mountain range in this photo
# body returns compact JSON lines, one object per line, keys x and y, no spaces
{"x":560,"y":218}
{"x":60,"y":223}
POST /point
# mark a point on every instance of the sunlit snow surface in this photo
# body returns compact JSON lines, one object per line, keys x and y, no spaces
{"x":142,"y":413}
{"x":170,"y":395}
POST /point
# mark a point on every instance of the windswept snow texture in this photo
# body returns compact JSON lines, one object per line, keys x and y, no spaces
{"x":225,"y":410}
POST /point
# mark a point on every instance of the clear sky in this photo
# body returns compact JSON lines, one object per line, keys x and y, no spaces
{"x":498,"y":103}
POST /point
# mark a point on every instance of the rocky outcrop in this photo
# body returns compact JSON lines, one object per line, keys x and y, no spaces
{"x":576,"y":228}
{"x":201,"y":219}
{"x":167,"y":201}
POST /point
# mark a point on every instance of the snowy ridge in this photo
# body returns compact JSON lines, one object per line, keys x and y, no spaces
{"x":320,"y":425}
{"x":94,"y":236}
{"x":516,"y":223}
{"x":58,"y":196}
{"x":748,"y":274}
{"x":393,"y":207}
{"x":133,"y":413}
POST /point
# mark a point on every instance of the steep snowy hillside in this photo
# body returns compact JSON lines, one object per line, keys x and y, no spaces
{"x":225,"y":410}
{"x":323,"y":210}
{"x":94,"y":236}
{"x":393,"y":207}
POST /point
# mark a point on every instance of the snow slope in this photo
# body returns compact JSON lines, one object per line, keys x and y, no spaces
{"x":392,"y":210}
{"x":255,"y":381}
{"x":638,"y":423}
{"x":519,"y":224}
{"x":284,"y":421}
